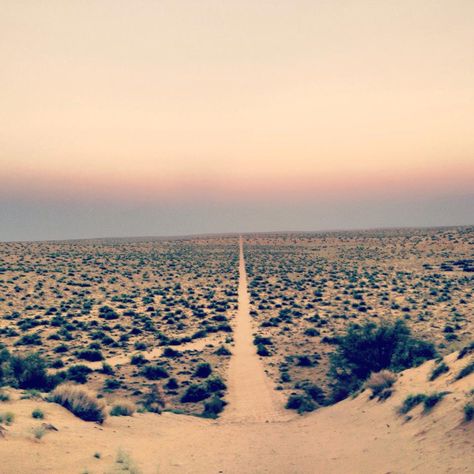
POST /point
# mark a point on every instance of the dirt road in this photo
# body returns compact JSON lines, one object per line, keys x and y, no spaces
{"x":251,"y":395}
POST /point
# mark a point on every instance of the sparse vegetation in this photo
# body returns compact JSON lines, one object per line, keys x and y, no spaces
{"x":465,"y":371}
{"x":80,"y":402}
{"x":438,"y":370}
{"x":380,"y":383}
{"x":371,"y":348}
{"x":123,"y":408}
{"x":37,"y":413}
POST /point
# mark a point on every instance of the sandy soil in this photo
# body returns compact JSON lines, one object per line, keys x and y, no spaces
{"x":357,"y":436}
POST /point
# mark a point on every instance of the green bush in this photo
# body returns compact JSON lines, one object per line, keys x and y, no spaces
{"x":438,"y":370}
{"x":29,"y":372}
{"x":465,"y":371}
{"x":78,"y":373}
{"x":411,"y":402}
{"x":155,"y":372}
{"x":37,"y":413}
{"x":91,"y":355}
{"x":301,"y":403}
{"x":215,"y":384}
{"x":469,"y":411}
{"x":213,"y":407}
{"x":124,"y":408}
{"x":432,"y":400}
{"x":195,"y":393}
{"x":371,"y":348}
{"x":203,"y":370}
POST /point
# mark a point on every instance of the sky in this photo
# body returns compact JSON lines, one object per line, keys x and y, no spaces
{"x":131,"y":118}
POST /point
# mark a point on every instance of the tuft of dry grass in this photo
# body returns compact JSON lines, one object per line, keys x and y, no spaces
{"x":80,"y":402}
{"x":380,"y":383}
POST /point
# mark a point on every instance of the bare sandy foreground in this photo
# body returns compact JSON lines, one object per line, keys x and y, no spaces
{"x":255,"y":434}
{"x":354,"y":436}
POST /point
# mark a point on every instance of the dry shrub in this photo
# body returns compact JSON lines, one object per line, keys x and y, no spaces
{"x":380,"y":382}
{"x":123,"y":408}
{"x":154,"y":400}
{"x":80,"y":402}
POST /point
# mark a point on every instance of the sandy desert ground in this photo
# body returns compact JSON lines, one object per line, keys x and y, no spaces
{"x":191,"y":311}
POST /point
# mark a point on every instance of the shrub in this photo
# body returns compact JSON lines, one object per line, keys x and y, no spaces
{"x":111,"y":384}
{"x":203,"y":370}
{"x":195,"y":393}
{"x":262,"y":351}
{"x":438,"y":370}
{"x":107,"y":369}
{"x":154,"y":400}
{"x":315,"y":392}
{"x":378,"y":382}
{"x":155,"y":372}
{"x":411,"y":402}
{"x":213,"y":407}
{"x":465,"y":371}
{"x":7,"y":418}
{"x":171,"y":353}
{"x":80,"y":402}
{"x":91,"y":355}
{"x":37,"y":414}
{"x":4,"y":397}
{"x":303,"y":361}
{"x":431,"y":400}
{"x":469,"y":411}
{"x":301,"y":403}
{"x":78,"y":373}
{"x":215,"y":384}
{"x":372,"y":348}
{"x":138,"y":359}
{"x":38,"y":432}
{"x":468,"y":349}
{"x":124,"y":408}
{"x":223,"y":351}
{"x":29,"y":372}
{"x":172,"y":384}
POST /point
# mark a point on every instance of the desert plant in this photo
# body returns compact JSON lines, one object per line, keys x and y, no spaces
{"x":371,"y":348}
{"x":195,"y":393}
{"x":223,"y":351}
{"x":8,"y":418}
{"x":37,"y":413}
{"x":155,"y":372}
{"x":38,"y":432}
{"x":300,"y":403}
{"x":203,"y":370}
{"x":123,"y":408}
{"x":468,"y":411}
{"x":465,"y":371}
{"x":154,"y":400}
{"x":467,"y":349}
{"x":91,"y":355}
{"x":438,"y":370}
{"x":79,"y":401}
{"x":380,"y":382}
{"x":213,"y":407}
{"x":411,"y":402}
{"x":432,"y":400}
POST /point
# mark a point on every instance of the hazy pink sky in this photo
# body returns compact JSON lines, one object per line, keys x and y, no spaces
{"x":246,"y":115}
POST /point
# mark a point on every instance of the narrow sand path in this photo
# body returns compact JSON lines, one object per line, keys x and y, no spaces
{"x":251,"y":395}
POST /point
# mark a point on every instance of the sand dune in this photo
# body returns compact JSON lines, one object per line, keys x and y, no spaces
{"x":357,"y":435}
